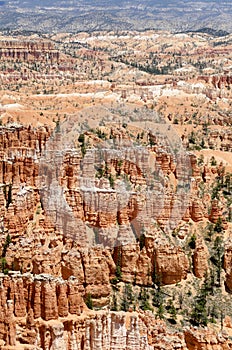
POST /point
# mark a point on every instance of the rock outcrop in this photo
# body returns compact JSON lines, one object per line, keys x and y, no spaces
{"x":205,"y":340}
{"x":48,"y":313}
{"x":228,"y":264}
{"x":37,"y":50}
{"x":200,"y":259}
{"x":44,"y":305}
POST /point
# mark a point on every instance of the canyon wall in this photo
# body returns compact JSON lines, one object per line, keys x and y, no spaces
{"x":46,"y":313}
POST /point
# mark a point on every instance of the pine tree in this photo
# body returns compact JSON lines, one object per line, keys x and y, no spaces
{"x":6,"y":245}
{"x":144,"y":300}
{"x":199,"y":314}
{"x":216,"y":258}
{"x":160,"y":312}
{"x":172,"y":310}
{"x":89,"y":301}
{"x":9,"y":196}
{"x":127,"y":298}
{"x":114,"y":306}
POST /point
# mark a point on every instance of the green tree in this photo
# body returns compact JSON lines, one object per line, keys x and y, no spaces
{"x":127,"y":298}
{"x":118,"y":259}
{"x":57,"y":129}
{"x":3,"y":264}
{"x":6,"y":245}
{"x":81,"y":138}
{"x":192,"y":138}
{"x":141,"y":241}
{"x":218,"y":226}
{"x":160,"y":312}
{"x":111,"y":180}
{"x":9,"y":196}
{"x":213,"y":161}
{"x":201,"y":159}
{"x":172,"y":311}
{"x":144,"y":300}
{"x":217,"y":257}
{"x":199,"y":311}
{"x":158,"y":298}
{"x":114,"y":306}
{"x":89,"y":301}
{"x":192,"y":241}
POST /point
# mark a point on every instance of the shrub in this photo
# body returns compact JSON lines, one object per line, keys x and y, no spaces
{"x":192,"y":242}
{"x":89,"y":301}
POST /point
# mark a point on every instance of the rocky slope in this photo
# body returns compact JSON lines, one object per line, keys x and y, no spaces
{"x":43,"y":312}
{"x":58,"y":271}
{"x":115,"y":193}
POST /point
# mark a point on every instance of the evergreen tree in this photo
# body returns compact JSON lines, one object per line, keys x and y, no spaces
{"x":218,"y":226}
{"x":89,"y":301}
{"x":158,"y":296}
{"x":118,"y":272}
{"x":217,"y":256}
{"x":199,"y":314}
{"x":172,"y":311}
{"x":6,"y":245}
{"x":127,"y":298}
{"x":9,"y":196}
{"x":144,"y":300}
{"x":114,"y":306}
{"x":160,"y":312}
{"x":192,"y":242}
{"x":3,"y":264}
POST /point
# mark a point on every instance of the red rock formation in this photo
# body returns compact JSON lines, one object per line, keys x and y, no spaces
{"x":228,"y":264}
{"x":200,"y":259}
{"x":171,"y":264}
{"x":196,"y":170}
{"x":206,"y":340}
{"x":57,"y":324}
{"x":196,"y":210}
{"x":38,"y":50}
{"x":215,"y":212}
{"x":167,"y":263}
{"x":49,"y":310}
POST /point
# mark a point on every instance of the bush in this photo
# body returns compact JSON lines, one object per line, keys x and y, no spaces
{"x":144,"y":300}
{"x":213,"y":161}
{"x":192,"y":242}
{"x":81,"y":138}
{"x":6,"y":245}
{"x":118,"y":272}
{"x":111,"y":180}
{"x":89,"y":301}
{"x":142,"y":241}
{"x":114,"y":306}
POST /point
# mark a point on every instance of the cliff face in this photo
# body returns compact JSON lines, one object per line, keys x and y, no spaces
{"x":200,"y":259}
{"x":42,"y":305}
{"x":168,"y":262}
{"x":37,"y":50}
{"x":21,"y":149}
{"x":228,"y":264}
{"x":42,"y":312}
{"x":205,"y":340}
{"x":45,"y":250}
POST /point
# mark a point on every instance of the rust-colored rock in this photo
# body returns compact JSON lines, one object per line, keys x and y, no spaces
{"x":228,"y":264}
{"x":171,"y":264}
{"x":200,"y":259}
{"x":205,"y":339}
